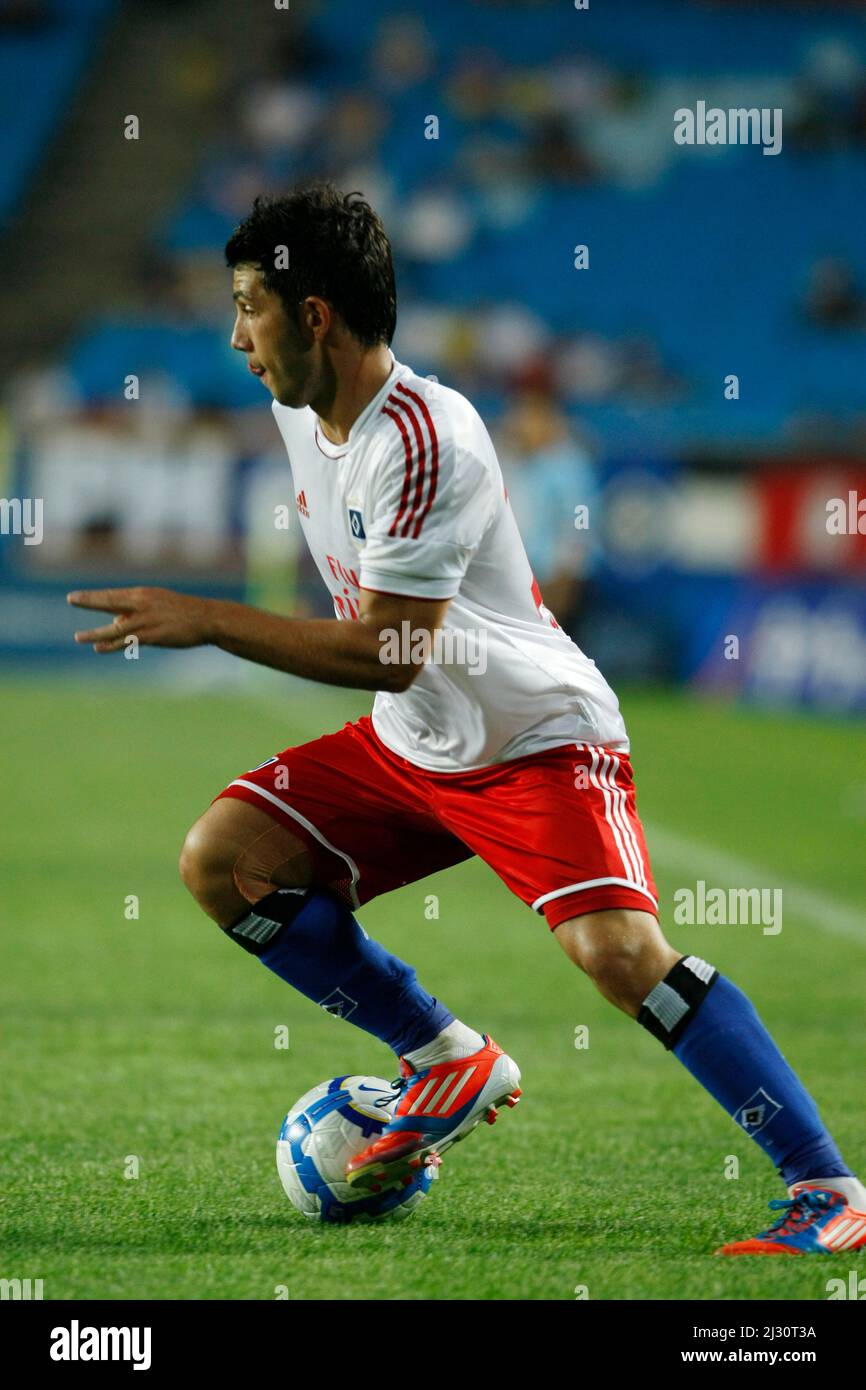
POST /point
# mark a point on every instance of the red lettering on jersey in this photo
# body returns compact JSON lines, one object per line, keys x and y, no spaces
{"x":346,"y":607}
{"x":339,"y":571}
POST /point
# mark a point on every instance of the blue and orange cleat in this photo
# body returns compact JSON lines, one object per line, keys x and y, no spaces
{"x":438,"y":1106}
{"x":816,"y":1221}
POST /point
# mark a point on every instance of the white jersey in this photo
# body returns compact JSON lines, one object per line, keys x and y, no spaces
{"x":414,"y":503}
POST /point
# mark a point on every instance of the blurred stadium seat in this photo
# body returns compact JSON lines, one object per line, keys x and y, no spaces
{"x":44,"y":46}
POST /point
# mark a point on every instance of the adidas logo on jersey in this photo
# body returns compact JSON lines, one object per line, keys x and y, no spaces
{"x":301,"y":504}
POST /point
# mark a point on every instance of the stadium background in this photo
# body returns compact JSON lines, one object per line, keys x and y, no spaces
{"x":156,"y":458}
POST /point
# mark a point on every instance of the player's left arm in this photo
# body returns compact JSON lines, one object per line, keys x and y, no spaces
{"x":354,"y":654}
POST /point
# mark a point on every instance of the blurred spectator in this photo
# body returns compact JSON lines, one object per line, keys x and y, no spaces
{"x":149,"y":482}
{"x":436,"y":224}
{"x":353,"y":126}
{"x":592,"y":368}
{"x":832,"y":299}
{"x":402,"y":54}
{"x":645,"y":378}
{"x":830,"y":105}
{"x":587,"y":368}
{"x":555,"y":153}
{"x":552,"y":488}
{"x":279,"y":115}
{"x":476,"y":87}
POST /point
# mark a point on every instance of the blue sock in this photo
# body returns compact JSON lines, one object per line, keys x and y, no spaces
{"x":716,"y":1033}
{"x":311,"y":940}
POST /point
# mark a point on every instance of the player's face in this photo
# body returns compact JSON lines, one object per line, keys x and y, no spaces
{"x":278,"y":352}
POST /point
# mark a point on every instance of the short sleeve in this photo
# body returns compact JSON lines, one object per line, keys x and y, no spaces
{"x":430,"y":504}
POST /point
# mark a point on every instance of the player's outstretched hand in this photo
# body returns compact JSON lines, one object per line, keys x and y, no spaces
{"x":156,"y":617}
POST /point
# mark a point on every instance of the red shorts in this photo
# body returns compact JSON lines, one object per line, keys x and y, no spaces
{"x":560,"y":827}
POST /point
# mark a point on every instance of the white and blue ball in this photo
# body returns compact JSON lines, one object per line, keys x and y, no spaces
{"x":322,"y":1131}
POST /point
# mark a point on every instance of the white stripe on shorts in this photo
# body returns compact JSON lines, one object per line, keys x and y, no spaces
{"x":616,"y":815}
{"x":592,"y":883}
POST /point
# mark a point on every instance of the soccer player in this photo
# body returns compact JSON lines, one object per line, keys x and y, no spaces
{"x":491,"y":734}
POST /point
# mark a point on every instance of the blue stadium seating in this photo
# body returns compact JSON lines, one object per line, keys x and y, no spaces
{"x":710,"y":261}
{"x":39,"y":68}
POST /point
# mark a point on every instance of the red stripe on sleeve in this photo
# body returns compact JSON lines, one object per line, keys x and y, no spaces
{"x":434,"y":455}
{"x":407,"y":479}
{"x":420,"y":470}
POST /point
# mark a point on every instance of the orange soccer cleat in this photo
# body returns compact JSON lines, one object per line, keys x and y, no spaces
{"x":438,"y":1106}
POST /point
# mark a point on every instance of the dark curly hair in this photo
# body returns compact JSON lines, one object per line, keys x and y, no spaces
{"x":337,"y":249}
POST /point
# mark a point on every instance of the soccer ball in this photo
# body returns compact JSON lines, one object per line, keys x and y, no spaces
{"x":322,"y":1131}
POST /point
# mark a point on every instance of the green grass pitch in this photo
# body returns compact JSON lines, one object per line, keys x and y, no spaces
{"x":153,"y":1038}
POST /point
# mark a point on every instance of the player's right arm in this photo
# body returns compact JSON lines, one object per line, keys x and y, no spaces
{"x":354,"y":654}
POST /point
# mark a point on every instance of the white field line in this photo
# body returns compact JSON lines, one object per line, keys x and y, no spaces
{"x":684,"y":855}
